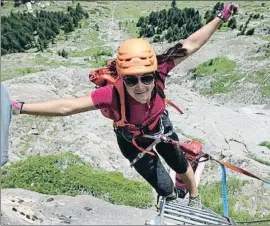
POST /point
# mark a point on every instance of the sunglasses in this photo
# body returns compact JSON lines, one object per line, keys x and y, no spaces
{"x":131,"y":80}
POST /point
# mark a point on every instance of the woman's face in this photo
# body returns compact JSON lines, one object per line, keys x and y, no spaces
{"x":140,"y":87}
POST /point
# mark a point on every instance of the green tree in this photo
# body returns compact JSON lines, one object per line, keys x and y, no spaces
{"x":41,"y":34}
{"x":40,"y":45}
{"x":250,"y":32}
{"x":64,"y":54}
{"x":159,"y":30}
{"x":140,"y":22}
{"x":17,"y":3}
{"x":170,"y":39}
{"x":169,"y":33}
{"x":96,"y":27}
{"x":46,"y":43}
{"x":175,"y":30}
{"x":79,"y":9}
{"x":149,"y":32}
{"x":23,"y":27}
{"x":207,"y":14}
{"x":218,"y":6}
{"x":4,"y":42}
{"x":55,"y":27}
{"x":173,"y":4}
{"x":48,"y":33}
{"x":156,"y":38}
{"x":232,"y":23}
{"x":180,"y":22}
{"x":22,"y":41}
{"x":153,"y":18}
{"x":256,"y":16}
{"x":241,"y":27}
{"x":69,"y":27}
{"x":76,"y":22}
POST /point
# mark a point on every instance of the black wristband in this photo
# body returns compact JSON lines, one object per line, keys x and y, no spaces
{"x":22,"y":103}
{"x":219,"y":15}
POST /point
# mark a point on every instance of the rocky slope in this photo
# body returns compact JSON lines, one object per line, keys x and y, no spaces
{"x":22,"y":207}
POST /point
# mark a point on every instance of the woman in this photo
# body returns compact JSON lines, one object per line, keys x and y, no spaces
{"x":140,"y":108}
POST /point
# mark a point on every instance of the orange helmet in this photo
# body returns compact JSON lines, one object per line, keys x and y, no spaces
{"x":135,"y":56}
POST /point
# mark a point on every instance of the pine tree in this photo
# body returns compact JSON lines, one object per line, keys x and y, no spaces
{"x":173,"y":4}
{"x":250,"y":32}
{"x":156,"y":38}
{"x":69,"y":27}
{"x":40,"y":45}
{"x":232,"y":23}
{"x":64,"y":54}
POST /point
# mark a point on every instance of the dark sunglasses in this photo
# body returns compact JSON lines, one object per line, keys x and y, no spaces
{"x":131,"y":80}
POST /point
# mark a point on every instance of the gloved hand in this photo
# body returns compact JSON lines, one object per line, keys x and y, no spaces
{"x":16,"y":107}
{"x":228,"y":10}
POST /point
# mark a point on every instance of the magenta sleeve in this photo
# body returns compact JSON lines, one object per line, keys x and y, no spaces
{"x":103,"y":97}
{"x":166,"y":67}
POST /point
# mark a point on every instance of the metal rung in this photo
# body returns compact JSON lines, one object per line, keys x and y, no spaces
{"x":204,"y":210}
{"x":192,"y":217}
{"x":178,"y":212}
{"x":182,"y":220}
{"x":209,"y":217}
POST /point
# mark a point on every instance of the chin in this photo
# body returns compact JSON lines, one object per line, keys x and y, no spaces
{"x":142,"y":100}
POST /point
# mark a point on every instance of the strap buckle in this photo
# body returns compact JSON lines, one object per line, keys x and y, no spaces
{"x":137,"y":158}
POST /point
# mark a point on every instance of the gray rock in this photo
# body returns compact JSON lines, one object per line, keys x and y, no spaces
{"x":35,"y":210}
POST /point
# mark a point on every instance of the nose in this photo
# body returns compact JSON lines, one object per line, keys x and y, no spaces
{"x":140,"y":84}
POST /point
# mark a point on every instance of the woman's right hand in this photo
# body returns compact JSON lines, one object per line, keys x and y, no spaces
{"x":16,"y":107}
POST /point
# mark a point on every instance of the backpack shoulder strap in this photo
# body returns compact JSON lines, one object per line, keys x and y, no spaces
{"x":160,"y":86}
{"x":119,"y":86}
{"x":118,"y":103}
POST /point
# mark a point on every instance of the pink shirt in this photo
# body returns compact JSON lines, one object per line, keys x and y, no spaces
{"x":105,"y":97}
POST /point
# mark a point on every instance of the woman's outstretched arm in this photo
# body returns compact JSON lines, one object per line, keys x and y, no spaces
{"x":62,"y":107}
{"x":196,"y":40}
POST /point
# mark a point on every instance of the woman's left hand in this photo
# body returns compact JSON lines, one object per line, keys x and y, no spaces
{"x":228,"y":10}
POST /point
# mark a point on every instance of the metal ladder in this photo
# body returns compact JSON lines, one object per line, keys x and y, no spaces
{"x":177,"y":212}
